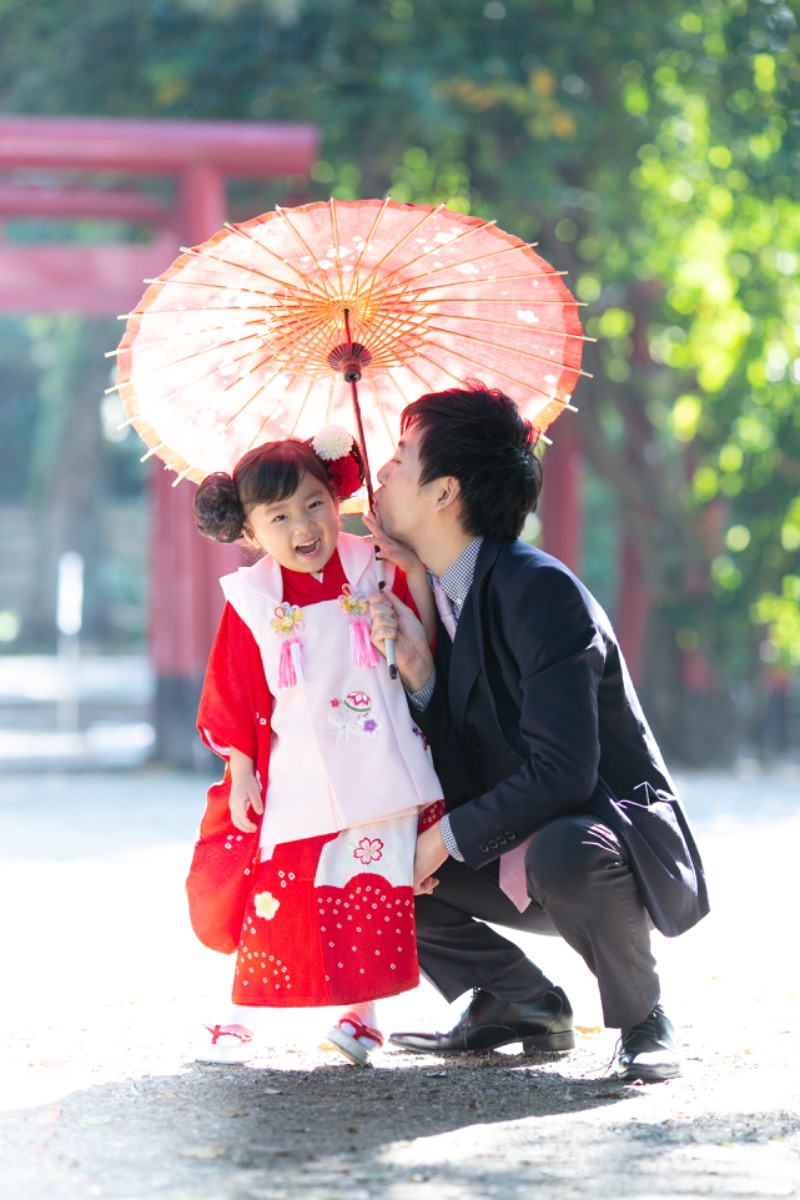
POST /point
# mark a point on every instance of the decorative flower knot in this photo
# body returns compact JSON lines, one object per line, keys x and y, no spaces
{"x":352,"y":603}
{"x":288,"y":619}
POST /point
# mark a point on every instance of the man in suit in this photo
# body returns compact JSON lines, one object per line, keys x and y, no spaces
{"x":536,"y":733}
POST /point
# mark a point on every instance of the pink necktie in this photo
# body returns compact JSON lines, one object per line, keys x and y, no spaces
{"x":512,"y":875}
{"x":445,"y":606}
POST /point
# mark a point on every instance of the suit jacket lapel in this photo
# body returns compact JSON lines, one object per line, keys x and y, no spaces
{"x":466,"y":656}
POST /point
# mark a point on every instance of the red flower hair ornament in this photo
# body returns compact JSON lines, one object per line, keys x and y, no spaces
{"x":340,"y":453}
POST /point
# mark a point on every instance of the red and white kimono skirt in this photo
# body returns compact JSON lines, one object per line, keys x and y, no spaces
{"x":309,"y":930}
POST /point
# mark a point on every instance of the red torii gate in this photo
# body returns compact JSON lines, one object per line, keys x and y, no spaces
{"x":107,"y":279}
{"x":100,"y":280}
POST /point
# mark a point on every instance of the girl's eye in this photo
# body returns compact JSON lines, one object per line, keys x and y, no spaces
{"x":315,"y":504}
{"x":278,"y":517}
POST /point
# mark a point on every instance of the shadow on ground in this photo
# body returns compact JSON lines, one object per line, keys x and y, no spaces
{"x":471,"y":1127}
{"x":200,"y":1133}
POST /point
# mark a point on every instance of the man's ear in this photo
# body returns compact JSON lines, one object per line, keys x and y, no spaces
{"x":448,"y":492}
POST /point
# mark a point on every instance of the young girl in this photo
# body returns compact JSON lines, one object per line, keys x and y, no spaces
{"x":304,"y":859}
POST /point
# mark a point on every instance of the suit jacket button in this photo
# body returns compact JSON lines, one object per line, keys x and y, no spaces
{"x":493,"y":845}
{"x":483,"y":847}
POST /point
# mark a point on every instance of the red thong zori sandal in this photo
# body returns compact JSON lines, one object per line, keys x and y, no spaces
{"x":355,"y":1040}
{"x":229,"y":1044}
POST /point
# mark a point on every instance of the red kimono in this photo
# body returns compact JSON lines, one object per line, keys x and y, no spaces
{"x":298,"y":944}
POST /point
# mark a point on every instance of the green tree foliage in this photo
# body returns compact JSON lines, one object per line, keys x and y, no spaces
{"x":653,"y":152}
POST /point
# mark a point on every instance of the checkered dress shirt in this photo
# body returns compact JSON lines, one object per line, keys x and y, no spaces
{"x":455,"y":582}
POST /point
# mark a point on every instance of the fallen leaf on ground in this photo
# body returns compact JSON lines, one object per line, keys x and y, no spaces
{"x":203,"y":1152}
{"x":49,"y":1117}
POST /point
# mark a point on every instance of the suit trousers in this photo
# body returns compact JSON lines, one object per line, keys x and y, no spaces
{"x":582,"y":889}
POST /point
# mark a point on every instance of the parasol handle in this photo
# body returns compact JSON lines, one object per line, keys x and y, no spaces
{"x":349,"y":359}
{"x":391,"y":657}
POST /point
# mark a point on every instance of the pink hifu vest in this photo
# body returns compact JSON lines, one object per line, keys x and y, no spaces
{"x":345,"y":750}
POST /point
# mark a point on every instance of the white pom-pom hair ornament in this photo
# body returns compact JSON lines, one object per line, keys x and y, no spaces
{"x":332,"y":442}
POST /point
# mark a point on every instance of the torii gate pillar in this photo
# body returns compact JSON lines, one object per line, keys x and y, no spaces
{"x":106,"y":279}
{"x":562,"y":500}
{"x":185,"y":599}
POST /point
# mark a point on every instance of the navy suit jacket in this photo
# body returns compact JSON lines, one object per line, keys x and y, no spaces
{"x":534,"y":714}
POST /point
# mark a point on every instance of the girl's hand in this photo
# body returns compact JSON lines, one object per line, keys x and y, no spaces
{"x":403,"y":556}
{"x":391,"y":551}
{"x":245,"y":792}
{"x":391,"y":620}
{"x":431,"y":853}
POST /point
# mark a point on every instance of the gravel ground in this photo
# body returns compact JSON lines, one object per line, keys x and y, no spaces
{"x":105,"y":991}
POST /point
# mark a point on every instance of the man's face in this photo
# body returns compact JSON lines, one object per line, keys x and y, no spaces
{"x":402,"y":504}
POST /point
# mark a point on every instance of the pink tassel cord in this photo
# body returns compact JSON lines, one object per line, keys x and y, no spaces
{"x":291,"y":668}
{"x":362,"y":650}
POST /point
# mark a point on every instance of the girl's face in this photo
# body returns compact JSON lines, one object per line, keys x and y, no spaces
{"x":299,"y":532}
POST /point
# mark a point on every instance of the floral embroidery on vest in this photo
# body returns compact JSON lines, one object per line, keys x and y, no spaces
{"x":368,"y":850}
{"x":352,"y":717}
{"x":415,"y":729}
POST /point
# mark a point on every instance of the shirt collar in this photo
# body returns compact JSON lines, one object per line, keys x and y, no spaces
{"x":457,"y":579}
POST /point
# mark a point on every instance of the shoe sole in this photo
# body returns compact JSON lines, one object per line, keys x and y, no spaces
{"x":553,"y":1043}
{"x":227,"y":1059}
{"x":654,"y":1075}
{"x":352,"y":1049}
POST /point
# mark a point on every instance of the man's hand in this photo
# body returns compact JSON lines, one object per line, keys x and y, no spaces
{"x":431,"y":853}
{"x":394,"y":621}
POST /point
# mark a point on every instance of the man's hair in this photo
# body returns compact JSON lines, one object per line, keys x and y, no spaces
{"x":478,"y":436}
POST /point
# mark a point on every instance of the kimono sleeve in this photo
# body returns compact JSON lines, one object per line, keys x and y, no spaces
{"x":235,"y":704}
{"x":234,"y":711}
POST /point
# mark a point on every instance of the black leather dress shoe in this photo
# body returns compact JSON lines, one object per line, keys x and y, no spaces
{"x":648,"y":1051}
{"x":488,"y":1022}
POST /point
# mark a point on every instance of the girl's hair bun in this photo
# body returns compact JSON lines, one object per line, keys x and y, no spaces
{"x":218,"y":509}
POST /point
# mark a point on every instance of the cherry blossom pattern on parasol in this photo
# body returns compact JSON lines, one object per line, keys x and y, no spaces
{"x":340,"y":311}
